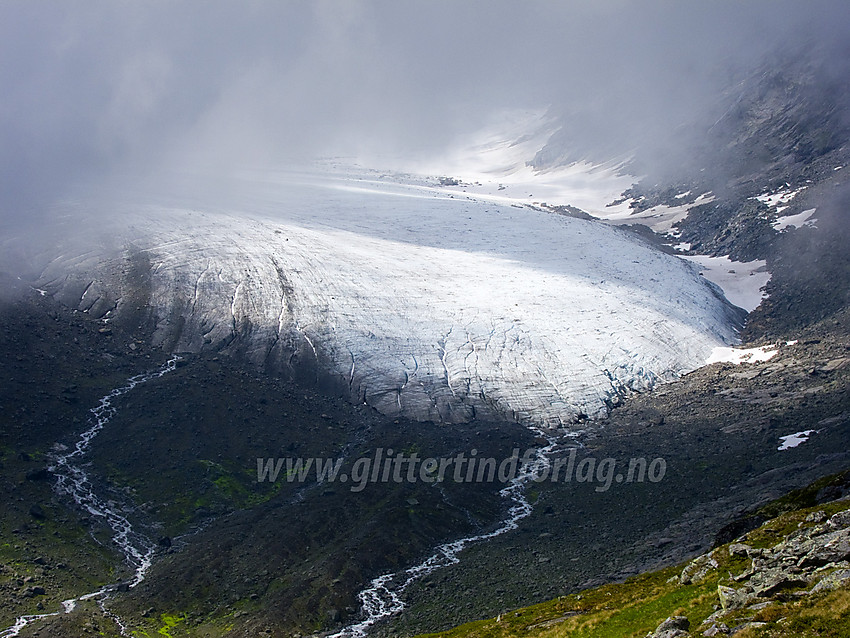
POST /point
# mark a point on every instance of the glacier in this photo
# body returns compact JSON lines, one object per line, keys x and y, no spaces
{"x":419,"y":301}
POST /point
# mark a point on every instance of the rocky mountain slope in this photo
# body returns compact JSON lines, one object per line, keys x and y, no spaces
{"x":787,"y":577}
{"x":778,"y":148}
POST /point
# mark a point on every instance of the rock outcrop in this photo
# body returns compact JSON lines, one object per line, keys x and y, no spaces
{"x":813,"y":558}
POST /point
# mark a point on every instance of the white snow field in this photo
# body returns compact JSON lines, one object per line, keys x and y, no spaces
{"x":790,"y":441}
{"x":737,"y":356}
{"x":491,"y":164}
{"x":418,"y":302}
{"x":742,"y":283}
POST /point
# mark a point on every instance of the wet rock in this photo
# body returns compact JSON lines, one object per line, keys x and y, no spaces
{"x":737,"y":528}
{"x":41,"y":474}
{"x":831,"y":493}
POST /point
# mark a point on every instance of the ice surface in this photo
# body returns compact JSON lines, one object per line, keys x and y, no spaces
{"x":418,"y":302}
{"x":492,"y":165}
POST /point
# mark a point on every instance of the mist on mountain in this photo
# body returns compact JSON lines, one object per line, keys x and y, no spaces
{"x":145,"y":89}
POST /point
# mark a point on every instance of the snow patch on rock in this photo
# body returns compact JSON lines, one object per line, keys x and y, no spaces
{"x":736,"y":356}
{"x":780,"y":198}
{"x":742,"y":282}
{"x":796,"y":221}
{"x":793,"y":440}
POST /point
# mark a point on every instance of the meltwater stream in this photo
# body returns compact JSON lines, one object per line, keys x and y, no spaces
{"x":72,"y":480}
{"x":382,"y":598}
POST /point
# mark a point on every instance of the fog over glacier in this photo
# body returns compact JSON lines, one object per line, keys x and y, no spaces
{"x":98,"y":88}
{"x":417,"y":302}
{"x":278,"y":164}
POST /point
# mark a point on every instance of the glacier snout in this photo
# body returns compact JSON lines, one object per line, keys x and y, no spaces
{"x":420,"y":305}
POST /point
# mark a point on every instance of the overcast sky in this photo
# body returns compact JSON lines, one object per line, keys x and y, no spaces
{"x":90,"y":88}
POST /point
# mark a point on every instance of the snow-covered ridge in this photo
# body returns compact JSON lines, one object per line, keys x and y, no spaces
{"x":419,"y":303}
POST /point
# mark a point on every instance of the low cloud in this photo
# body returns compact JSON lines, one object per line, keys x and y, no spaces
{"x":97,"y":89}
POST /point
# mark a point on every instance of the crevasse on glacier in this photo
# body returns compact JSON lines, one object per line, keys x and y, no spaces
{"x":417,"y":303}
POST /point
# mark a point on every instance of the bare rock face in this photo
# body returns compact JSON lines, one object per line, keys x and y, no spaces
{"x":697,"y":569}
{"x":673,"y":627}
{"x":420,"y":305}
{"x":811,"y":559}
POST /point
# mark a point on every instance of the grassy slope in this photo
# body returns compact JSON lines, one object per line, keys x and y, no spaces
{"x":637,"y":606}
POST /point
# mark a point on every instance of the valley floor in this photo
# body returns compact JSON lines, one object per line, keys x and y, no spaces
{"x":185,"y":449}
